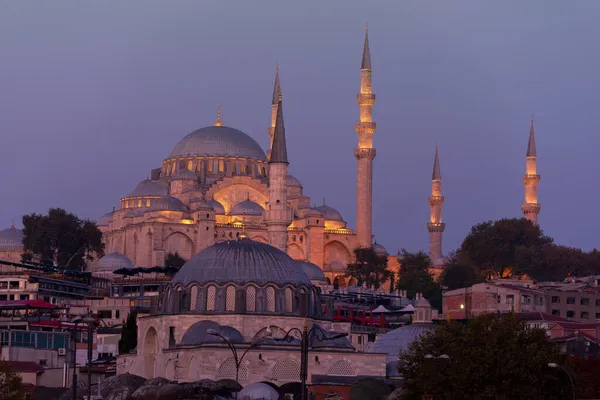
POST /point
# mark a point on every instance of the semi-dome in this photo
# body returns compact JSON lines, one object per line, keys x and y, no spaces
{"x":11,"y":238}
{"x":148,"y":188}
{"x":247,"y":207}
{"x":218,"y":207}
{"x":240,"y":262}
{"x":313,"y":271}
{"x":112,"y":262}
{"x":330,"y":213}
{"x":104,"y":220}
{"x":198,"y":334}
{"x":293,"y":181}
{"x":258,"y":391}
{"x":218,"y":141}
{"x":166,"y":203}
{"x":200,"y":204}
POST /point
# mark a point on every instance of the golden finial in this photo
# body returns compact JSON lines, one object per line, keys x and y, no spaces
{"x":243,"y":235}
{"x":305,"y":325}
{"x":218,"y":122}
{"x":12,"y":225}
{"x":367,"y":27}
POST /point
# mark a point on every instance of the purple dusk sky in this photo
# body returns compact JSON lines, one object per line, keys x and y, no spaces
{"x":93,"y":96}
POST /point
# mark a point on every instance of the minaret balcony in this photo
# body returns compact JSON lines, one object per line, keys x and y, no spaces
{"x":531,"y":208}
{"x":436,"y":200}
{"x":531,"y":179}
{"x":436,"y":226}
{"x":365,"y":99}
{"x":365,"y":127}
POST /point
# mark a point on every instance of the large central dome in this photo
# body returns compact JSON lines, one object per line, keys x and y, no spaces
{"x":218,"y":141}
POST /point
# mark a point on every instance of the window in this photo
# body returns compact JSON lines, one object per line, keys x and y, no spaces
{"x":194,"y":298}
{"x":14,"y":284}
{"x":556,"y":312}
{"x":24,"y":297}
{"x":147,"y":202}
{"x":210,"y":298}
{"x":251,"y":299}
{"x":570,"y":314}
{"x":270,"y":299}
{"x":288,"y":300}
{"x":570,"y":300}
{"x":510,"y":299}
{"x":230,"y":301}
{"x":597,"y":316}
{"x":221,"y":165}
{"x":105,"y":314}
{"x":525,"y":299}
{"x":597,"y":302}
{"x":555,"y":299}
{"x":171,"y":336}
{"x":585,"y":301}
{"x":360,"y":340}
{"x":117,"y":314}
{"x":585,"y":315}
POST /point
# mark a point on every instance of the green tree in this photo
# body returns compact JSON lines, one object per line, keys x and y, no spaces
{"x":11,"y":385}
{"x":128,"y":340}
{"x":459,"y":272}
{"x":174,"y":260}
{"x":62,"y":238}
{"x":494,"y":356}
{"x":369,"y":268}
{"x":495,"y":247}
{"x":414,"y":277}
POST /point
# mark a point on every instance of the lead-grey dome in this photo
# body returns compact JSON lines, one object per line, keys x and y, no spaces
{"x":330,"y":213}
{"x":293,"y":181}
{"x":104,"y":220}
{"x":379,"y":250}
{"x":218,"y":141}
{"x":112,"y":262}
{"x":148,"y":188}
{"x":197,"y":334}
{"x":11,"y":238}
{"x":218,"y":207}
{"x":240,"y":262}
{"x":313,"y":271}
{"x":247,"y":207}
{"x":258,"y":391}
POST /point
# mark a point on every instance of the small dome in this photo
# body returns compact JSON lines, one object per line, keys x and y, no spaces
{"x":104,"y":220}
{"x":197,"y":334}
{"x":335,"y":266}
{"x":218,"y":207}
{"x":314,"y":212}
{"x":184,"y":174}
{"x":167,"y":203}
{"x":330,"y":213}
{"x":397,"y":340}
{"x":218,"y":141}
{"x":379,"y":250}
{"x":148,"y":188}
{"x":258,"y":391}
{"x":313,"y":271}
{"x":422,"y":302}
{"x":200,"y":204}
{"x":293,"y":181}
{"x":247,"y":207}
{"x":112,"y":262}
{"x":11,"y":238}
{"x":241,"y":262}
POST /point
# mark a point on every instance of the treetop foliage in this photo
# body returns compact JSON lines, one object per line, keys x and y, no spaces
{"x":369,"y":268}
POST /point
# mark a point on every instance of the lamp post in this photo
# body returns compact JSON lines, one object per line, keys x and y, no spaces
{"x":555,"y":365}
{"x":306,"y":334}
{"x":237,"y":359}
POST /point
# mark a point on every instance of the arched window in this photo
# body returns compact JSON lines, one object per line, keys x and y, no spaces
{"x":341,"y":368}
{"x":288,"y":300}
{"x":251,"y":298}
{"x":230,"y":302}
{"x":194,"y":298}
{"x":270,"y":299}
{"x":227,"y":370}
{"x":211,"y":294}
{"x":286,"y":370}
{"x":147,"y":202}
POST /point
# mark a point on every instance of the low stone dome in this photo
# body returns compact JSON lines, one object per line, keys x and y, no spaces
{"x":104,"y":220}
{"x":258,"y":391}
{"x":247,"y":207}
{"x":218,"y":207}
{"x":293,"y":181}
{"x":380,"y":250}
{"x":112,"y":262}
{"x":240,"y":262}
{"x":313,"y":271}
{"x":200,"y":204}
{"x":330,"y":213}
{"x":148,"y":188}
{"x":197,"y":334}
{"x":166,"y":203}
{"x":11,"y":238}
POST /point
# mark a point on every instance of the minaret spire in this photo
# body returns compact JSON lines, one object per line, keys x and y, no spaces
{"x":364,"y":152}
{"x":277,"y":97}
{"x":531,"y":179}
{"x":435,"y":226}
{"x":278,"y":216}
{"x":218,"y":122}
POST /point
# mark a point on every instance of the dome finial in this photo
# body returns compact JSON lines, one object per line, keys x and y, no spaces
{"x":12,"y":225}
{"x":323,"y":200}
{"x":218,"y":122}
{"x":243,"y":235}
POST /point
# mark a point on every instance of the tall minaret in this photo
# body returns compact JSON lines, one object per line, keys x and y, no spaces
{"x":531,"y":207}
{"x":274,"y":106}
{"x":365,"y":153}
{"x":435,"y":225}
{"x":279,"y":215}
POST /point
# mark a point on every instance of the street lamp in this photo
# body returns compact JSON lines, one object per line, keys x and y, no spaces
{"x":238,"y":360}
{"x":555,"y":365}
{"x":305,"y":334}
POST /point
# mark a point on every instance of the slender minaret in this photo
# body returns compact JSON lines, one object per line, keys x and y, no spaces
{"x":274,"y":106}
{"x":435,"y":225}
{"x":531,"y":179}
{"x":278,"y":216}
{"x":365,"y":153}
